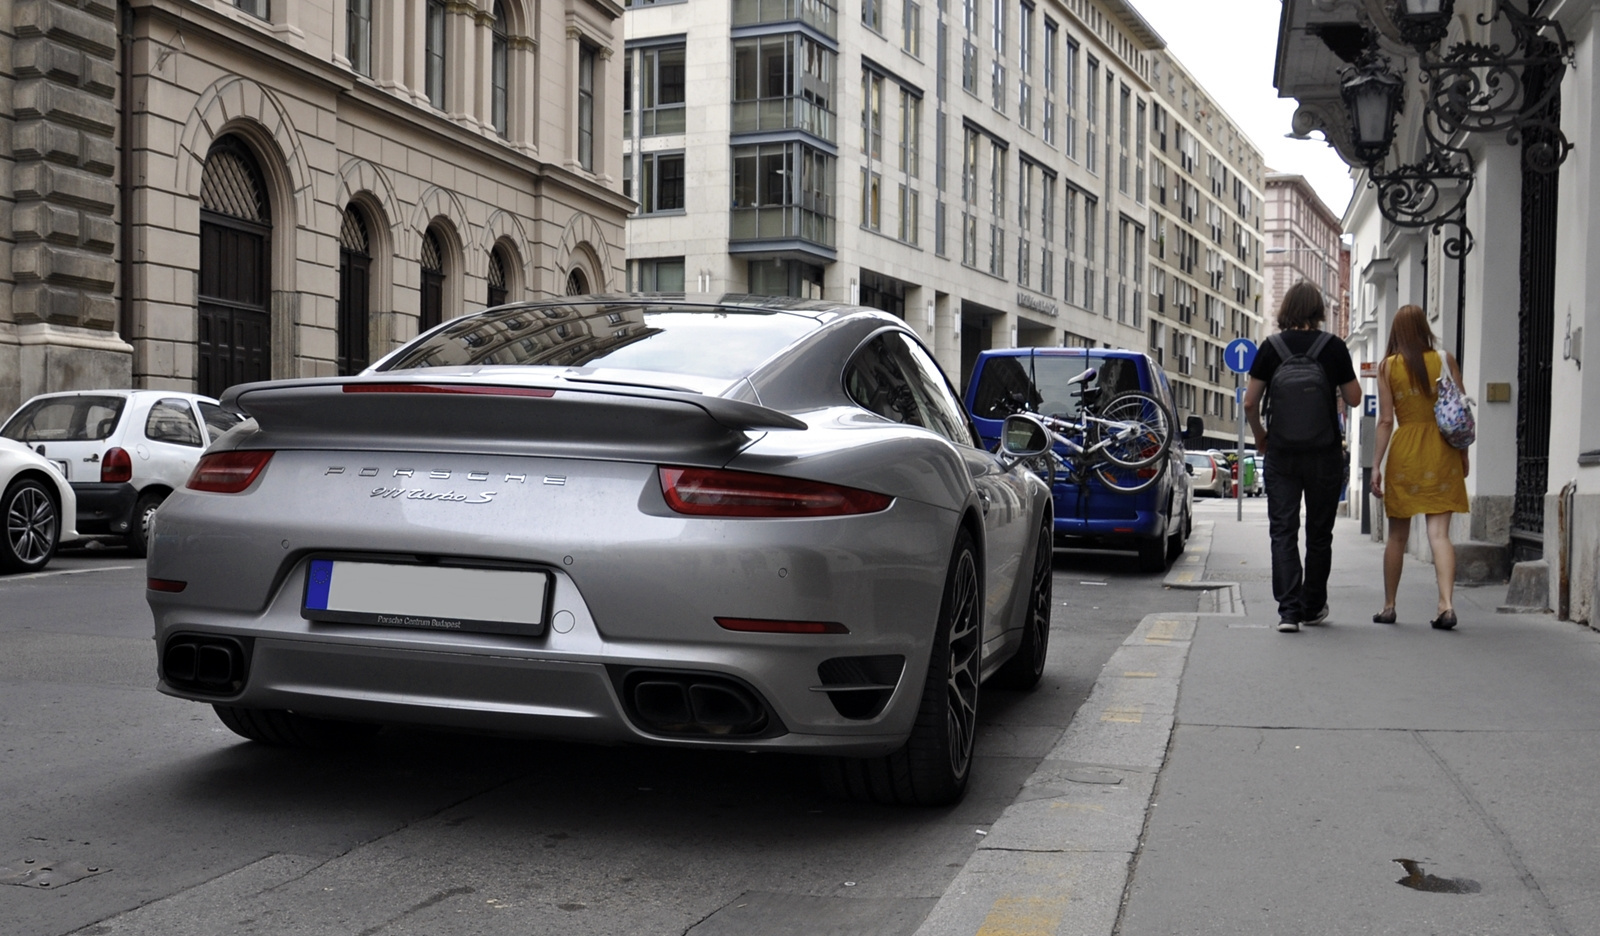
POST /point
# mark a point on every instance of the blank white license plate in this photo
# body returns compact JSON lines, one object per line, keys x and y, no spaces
{"x":500,"y":601}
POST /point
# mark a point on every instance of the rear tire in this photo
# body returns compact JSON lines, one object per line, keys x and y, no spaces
{"x":1175,"y":542}
{"x":1024,"y":670}
{"x":289,"y":729}
{"x":30,"y":527}
{"x":932,"y":767}
{"x":142,"y":523}
{"x":1153,"y":554}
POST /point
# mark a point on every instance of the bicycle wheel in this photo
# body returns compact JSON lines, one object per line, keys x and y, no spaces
{"x":1125,"y":480}
{"x":1135,"y":428}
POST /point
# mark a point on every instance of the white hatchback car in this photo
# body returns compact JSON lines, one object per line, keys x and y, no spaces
{"x":37,"y":508}
{"x":123,"y":451}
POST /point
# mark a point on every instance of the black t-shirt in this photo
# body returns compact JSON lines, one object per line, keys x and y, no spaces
{"x":1335,"y":357}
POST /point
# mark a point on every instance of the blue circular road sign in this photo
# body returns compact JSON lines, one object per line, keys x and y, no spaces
{"x":1240,"y":354}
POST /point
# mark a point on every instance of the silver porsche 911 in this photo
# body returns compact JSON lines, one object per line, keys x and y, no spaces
{"x":747,"y":523}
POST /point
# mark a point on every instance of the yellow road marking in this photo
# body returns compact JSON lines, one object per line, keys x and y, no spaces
{"x":1139,"y":675}
{"x":1023,"y":916}
{"x":1123,"y":714}
{"x":1184,"y":577}
{"x":1163,"y":630}
{"x":1086,"y":807}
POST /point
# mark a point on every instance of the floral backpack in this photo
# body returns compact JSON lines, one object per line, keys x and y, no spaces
{"x":1452,"y":410}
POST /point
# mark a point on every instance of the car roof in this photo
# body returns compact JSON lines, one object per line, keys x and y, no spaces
{"x":123,"y":392}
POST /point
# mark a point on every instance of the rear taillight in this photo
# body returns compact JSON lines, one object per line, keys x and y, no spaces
{"x":116,"y":466}
{"x":769,"y":626}
{"x":710,"y":492}
{"x":227,"y":472}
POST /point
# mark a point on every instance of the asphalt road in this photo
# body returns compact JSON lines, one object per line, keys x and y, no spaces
{"x":192,"y":830}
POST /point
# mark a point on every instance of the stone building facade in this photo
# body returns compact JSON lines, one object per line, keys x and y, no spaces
{"x":977,"y":167}
{"x":1303,"y":243}
{"x":1205,"y":246}
{"x":199,"y":192}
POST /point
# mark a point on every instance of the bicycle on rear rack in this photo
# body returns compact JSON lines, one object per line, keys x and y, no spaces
{"x":1123,"y":443}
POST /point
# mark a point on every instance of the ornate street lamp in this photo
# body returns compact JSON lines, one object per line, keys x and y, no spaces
{"x":1421,"y":23}
{"x":1373,"y":93}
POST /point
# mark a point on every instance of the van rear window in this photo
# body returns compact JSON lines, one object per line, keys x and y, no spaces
{"x":65,"y":419}
{"x":1041,"y":383}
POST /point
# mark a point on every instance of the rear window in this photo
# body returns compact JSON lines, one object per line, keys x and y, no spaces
{"x":720,"y":344}
{"x":1040,"y":383}
{"x":65,"y":419}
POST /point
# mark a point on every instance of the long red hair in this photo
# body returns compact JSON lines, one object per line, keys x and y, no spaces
{"x":1409,"y":337}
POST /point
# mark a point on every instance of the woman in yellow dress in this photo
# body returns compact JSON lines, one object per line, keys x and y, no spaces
{"x":1424,"y":475}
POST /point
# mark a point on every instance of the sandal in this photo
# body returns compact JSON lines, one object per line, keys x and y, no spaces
{"x":1445,"y":620}
{"x":1384,"y":617}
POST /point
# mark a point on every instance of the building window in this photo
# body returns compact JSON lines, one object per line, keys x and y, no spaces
{"x":661,"y":97}
{"x":782,"y":190}
{"x":872,"y":15}
{"x":1069,"y":245}
{"x":1052,"y":42}
{"x":910,"y":215}
{"x":664,"y":274}
{"x":1025,"y":40}
{"x":1124,"y":122}
{"x":1069,"y":72}
{"x":969,"y":239}
{"x":499,"y":285}
{"x":498,"y":84}
{"x":910,"y":133}
{"x":872,"y":114}
{"x":940,"y":243}
{"x":433,"y":53}
{"x":260,"y":9}
{"x":355,"y":283}
{"x":998,"y":28}
{"x":433,"y":278}
{"x":969,"y":67}
{"x":794,"y":278}
{"x":911,"y":27}
{"x":871,"y":199}
{"x":358,"y":35}
{"x":997,"y":179}
{"x":661,"y":182}
{"x":577,"y":283}
{"x":586,"y":57}
{"x":1090,"y":274}
{"x":997,"y":85}
{"x":782,"y":83}
{"x":1091,"y":116}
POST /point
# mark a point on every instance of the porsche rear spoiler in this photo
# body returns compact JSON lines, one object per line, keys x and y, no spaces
{"x":551,"y":417}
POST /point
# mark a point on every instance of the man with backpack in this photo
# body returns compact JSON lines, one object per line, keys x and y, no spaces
{"x":1302,"y":372}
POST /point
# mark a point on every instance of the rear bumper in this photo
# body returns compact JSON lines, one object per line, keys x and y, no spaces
{"x":104,"y":508}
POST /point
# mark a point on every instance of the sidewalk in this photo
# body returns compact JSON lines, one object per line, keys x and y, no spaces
{"x":1224,"y":778}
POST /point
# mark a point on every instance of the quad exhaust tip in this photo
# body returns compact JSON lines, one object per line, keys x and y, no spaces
{"x":205,"y":664}
{"x":691,"y":704}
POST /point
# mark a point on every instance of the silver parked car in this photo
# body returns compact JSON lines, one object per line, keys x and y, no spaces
{"x":749,"y":523}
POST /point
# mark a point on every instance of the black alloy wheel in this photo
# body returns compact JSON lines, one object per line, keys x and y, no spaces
{"x":932,"y":767}
{"x":142,"y":524}
{"x":32,"y":527}
{"x":1024,"y":670}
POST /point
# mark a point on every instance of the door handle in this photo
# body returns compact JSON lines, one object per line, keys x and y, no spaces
{"x":93,"y":458}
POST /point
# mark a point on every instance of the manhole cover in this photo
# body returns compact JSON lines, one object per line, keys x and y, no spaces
{"x":40,"y":872}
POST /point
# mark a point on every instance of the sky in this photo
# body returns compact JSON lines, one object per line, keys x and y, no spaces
{"x":1229,"y":46}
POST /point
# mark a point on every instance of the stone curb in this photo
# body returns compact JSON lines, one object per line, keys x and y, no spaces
{"x":1059,"y":858}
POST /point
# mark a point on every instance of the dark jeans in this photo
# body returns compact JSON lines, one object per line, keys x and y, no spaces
{"x":1316,"y":477}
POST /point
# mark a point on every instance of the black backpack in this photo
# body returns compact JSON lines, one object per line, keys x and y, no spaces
{"x":1301,"y":410}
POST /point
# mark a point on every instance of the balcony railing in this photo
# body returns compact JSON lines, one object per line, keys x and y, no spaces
{"x":788,"y":113}
{"x":814,"y":13}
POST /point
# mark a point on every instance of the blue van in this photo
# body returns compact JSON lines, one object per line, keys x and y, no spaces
{"x":1155,"y":521}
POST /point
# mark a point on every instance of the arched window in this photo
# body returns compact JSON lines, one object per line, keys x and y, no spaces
{"x":355,"y":283}
{"x":432,"y":280}
{"x":497,"y":71}
{"x":577,"y":283}
{"x":498,"y":284}
{"x":233,"y":326}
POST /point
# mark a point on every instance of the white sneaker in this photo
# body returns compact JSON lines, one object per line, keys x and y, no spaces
{"x":1318,"y":618}
{"x":1288,"y":626}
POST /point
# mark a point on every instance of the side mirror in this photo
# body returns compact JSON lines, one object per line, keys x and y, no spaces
{"x":1023,"y":436}
{"x":1194,"y":429}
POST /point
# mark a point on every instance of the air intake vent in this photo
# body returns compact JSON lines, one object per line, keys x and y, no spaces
{"x":860,"y":686}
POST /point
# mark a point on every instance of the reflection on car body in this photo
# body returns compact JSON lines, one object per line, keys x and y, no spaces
{"x":567,"y":519}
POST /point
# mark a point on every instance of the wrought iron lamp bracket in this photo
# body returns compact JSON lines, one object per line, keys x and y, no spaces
{"x":1477,"y":87}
